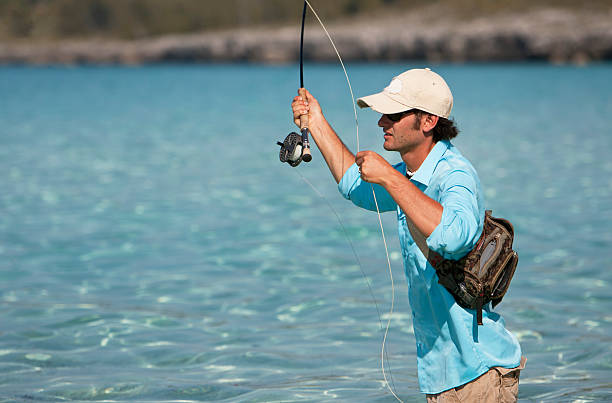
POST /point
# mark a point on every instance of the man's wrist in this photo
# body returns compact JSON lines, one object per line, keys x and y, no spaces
{"x":317,"y":125}
{"x":316,"y":120}
{"x":395,"y":180}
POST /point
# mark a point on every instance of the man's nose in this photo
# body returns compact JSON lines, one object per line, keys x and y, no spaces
{"x":382,"y":121}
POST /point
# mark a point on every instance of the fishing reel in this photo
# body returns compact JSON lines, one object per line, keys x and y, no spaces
{"x":295,"y":148}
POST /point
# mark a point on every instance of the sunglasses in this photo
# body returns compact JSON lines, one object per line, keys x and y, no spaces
{"x":396,"y":117}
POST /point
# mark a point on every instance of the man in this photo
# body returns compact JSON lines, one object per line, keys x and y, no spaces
{"x":440,"y":206}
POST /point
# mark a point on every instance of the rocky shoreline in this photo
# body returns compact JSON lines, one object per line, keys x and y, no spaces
{"x":554,"y":35}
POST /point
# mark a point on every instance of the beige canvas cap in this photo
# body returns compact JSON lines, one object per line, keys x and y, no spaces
{"x":413,"y":89}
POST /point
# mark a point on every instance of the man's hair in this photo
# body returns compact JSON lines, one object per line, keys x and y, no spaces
{"x":445,"y":129}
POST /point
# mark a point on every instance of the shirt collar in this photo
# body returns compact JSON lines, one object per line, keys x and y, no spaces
{"x":423,"y":174}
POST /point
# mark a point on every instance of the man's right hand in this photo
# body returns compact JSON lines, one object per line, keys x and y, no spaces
{"x":337,"y":156}
{"x":309,"y":106}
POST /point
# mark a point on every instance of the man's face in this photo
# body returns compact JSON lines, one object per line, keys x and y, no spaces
{"x":403,"y":135}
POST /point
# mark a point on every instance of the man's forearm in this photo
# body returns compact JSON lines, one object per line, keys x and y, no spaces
{"x":424,"y":212}
{"x":337,"y":156}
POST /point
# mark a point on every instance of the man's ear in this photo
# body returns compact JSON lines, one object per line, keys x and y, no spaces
{"x":428,"y":122}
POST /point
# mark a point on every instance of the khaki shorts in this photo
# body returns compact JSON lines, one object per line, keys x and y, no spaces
{"x":497,"y":385}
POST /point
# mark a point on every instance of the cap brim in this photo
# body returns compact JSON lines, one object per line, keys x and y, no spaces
{"x":381,"y":103}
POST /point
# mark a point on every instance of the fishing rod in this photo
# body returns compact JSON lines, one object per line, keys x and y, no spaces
{"x":296,"y":147}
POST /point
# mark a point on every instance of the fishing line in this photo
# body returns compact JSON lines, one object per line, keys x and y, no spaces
{"x":343,"y":68}
{"x":345,"y":232}
{"x":383,"y":348}
{"x":365,"y":276}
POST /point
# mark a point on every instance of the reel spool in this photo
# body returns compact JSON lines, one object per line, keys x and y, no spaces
{"x":291,"y":149}
{"x":295,"y":148}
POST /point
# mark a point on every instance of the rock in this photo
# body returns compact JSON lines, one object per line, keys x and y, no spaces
{"x":556,"y":35}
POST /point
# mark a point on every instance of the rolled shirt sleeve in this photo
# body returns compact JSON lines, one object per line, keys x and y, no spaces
{"x":461,"y":222}
{"x":353,"y":188}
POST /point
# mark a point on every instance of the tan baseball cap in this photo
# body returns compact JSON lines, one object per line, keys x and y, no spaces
{"x":413,"y":89}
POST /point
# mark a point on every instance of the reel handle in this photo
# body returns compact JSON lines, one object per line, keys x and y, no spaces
{"x":306,"y":156}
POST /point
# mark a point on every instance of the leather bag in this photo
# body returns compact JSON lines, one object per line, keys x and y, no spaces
{"x":484,"y":274}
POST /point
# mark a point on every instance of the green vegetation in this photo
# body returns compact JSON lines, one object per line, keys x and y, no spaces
{"x":42,"y":20}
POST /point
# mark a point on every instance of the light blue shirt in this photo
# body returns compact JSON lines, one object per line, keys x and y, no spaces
{"x":451,"y":348}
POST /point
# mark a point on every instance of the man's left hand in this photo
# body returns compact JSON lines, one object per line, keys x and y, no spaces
{"x":373,"y":167}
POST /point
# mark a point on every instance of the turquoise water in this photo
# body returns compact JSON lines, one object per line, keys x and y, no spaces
{"x":153,"y":248}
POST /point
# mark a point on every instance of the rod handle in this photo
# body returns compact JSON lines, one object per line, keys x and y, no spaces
{"x":306,"y":156}
{"x":303,"y":118}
